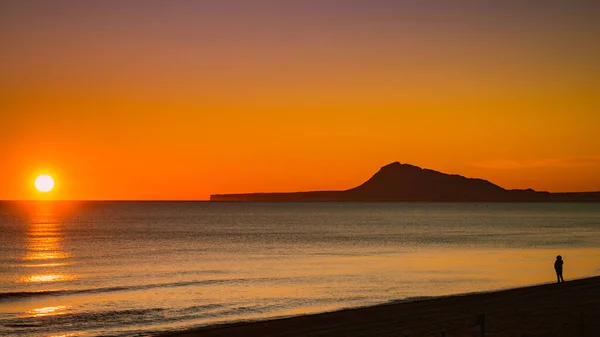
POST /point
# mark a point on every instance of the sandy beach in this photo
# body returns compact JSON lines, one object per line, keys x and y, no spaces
{"x":567,"y":309}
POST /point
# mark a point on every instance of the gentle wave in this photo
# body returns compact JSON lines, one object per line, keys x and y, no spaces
{"x":27,"y":294}
{"x":104,"y":319}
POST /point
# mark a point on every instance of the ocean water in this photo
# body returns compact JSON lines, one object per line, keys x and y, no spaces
{"x":135,"y":269}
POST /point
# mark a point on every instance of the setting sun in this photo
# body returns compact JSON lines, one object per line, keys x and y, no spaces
{"x":44,"y":183}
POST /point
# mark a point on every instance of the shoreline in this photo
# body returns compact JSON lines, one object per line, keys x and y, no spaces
{"x":571,"y":308}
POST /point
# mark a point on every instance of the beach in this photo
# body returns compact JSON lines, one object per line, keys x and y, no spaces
{"x":566,"y":309}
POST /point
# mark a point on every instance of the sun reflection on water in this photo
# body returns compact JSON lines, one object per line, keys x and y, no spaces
{"x":46,"y":278}
{"x":46,"y":265}
{"x":45,"y":236}
{"x":47,"y":311}
{"x":45,"y":255}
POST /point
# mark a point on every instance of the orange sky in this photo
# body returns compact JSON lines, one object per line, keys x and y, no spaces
{"x":181,"y":99}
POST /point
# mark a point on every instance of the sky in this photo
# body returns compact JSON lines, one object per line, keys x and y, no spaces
{"x":183,"y":99}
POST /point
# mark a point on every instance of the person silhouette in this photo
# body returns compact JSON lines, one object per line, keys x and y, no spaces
{"x":558,"y":267}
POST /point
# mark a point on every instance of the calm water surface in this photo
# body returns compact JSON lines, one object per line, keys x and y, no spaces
{"x":132,"y":269}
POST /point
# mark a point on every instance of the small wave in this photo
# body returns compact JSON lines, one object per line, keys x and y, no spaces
{"x":412,"y":299}
{"x":24,"y":294}
{"x":22,"y":325}
{"x":201,"y":308}
{"x":91,"y":319}
{"x":28,"y":294}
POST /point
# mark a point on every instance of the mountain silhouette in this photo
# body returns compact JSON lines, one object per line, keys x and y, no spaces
{"x":405,"y":182}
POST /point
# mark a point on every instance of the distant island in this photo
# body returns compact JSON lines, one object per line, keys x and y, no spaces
{"x":409,"y":183}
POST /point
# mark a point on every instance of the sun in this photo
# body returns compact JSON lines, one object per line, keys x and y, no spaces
{"x":44,"y":183}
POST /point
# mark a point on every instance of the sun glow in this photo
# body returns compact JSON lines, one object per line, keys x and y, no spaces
{"x":44,"y":183}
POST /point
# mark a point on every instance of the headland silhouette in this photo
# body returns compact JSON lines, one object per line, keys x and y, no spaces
{"x":405,"y":182}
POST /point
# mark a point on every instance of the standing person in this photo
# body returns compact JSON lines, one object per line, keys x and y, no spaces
{"x":558,"y":264}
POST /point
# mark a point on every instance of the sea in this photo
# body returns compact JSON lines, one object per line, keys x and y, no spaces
{"x":142,"y":268}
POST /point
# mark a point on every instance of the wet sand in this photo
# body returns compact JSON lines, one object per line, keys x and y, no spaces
{"x":566,"y":309}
